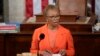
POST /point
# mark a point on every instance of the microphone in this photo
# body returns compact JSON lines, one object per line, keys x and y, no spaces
{"x":41,"y":38}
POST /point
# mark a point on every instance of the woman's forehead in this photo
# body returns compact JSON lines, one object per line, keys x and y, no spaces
{"x":52,"y":12}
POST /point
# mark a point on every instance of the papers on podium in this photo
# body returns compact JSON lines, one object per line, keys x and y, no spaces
{"x":56,"y":54}
{"x":26,"y":54}
{"x":30,"y":54}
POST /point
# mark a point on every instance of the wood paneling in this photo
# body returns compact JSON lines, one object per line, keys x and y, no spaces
{"x":63,"y":18}
{"x":17,"y":43}
{"x":86,"y":43}
{"x":2,"y":44}
{"x":73,"y":27}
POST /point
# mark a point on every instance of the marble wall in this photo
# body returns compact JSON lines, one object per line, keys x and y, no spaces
{"x":97,"y":9}
{"x":14,"y":11}
{"x":72,"y":7}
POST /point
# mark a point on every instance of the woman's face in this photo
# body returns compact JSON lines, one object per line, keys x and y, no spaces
{"x":53,"y":17}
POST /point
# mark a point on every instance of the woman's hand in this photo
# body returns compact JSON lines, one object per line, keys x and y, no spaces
{"x":62,"y":52}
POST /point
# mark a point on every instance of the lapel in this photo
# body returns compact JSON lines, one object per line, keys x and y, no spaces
{"x":45,"y":31}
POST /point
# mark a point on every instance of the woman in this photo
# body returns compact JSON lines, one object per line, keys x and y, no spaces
{"x":57,"y":39}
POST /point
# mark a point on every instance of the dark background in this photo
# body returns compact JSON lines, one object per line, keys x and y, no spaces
{"x":1,"y":7}
{"x":1,"y":11}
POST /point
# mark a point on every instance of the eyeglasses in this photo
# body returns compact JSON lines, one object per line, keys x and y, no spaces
{"x":54,"y":16}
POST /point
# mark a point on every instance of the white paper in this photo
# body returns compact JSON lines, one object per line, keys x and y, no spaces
{"x":56,"y":54}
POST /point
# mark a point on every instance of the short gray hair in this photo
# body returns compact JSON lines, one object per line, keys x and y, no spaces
{"x":50,"y":7}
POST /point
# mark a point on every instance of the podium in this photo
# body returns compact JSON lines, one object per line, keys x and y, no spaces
{"x":72,"y":26}
{"x":63,"y":18}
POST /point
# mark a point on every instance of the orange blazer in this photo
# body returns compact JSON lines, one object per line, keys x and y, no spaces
{"x":63,"y":40}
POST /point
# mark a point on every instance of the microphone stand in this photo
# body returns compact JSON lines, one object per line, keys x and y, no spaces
{"x":38,"y":48}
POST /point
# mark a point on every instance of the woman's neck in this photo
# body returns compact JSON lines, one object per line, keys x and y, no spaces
{"x":51,"y":27}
